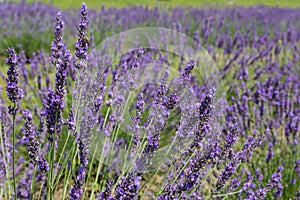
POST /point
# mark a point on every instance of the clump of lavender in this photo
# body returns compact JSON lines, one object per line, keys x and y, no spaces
{"x":273,"y":183}
{"x":241,"y":157}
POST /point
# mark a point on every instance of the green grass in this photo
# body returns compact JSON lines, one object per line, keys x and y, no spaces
{"x":66,"y":4}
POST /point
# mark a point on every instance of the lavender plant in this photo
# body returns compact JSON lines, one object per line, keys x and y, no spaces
{"x":90,"y":130}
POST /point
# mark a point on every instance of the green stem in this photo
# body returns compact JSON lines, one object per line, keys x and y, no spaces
{"x":153,"y":175}
{"x":5,"y":152}
{"x":63,"y":167}
{"x":61,"y":155}
{"x":227,"y":194}
{"x":32,"y":189}
{"x":14,"y":153}
{"x":89,"y":172}
{"x":100,"y":163}
{"x":66,"y":183}
{"x":50,"y":177}
{"x":101,"y":157}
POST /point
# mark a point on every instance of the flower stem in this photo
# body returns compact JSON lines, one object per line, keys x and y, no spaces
{"x":14,"y":152}
{"x":5,"y":160}
{"x":32,"y":189}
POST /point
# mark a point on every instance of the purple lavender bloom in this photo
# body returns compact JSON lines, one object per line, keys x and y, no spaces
{"x":204,"y":112}
{"x":297,"y":167}
{"x":259,"y":175}
{"x":14,"y":93}
{"x":43,"y":166}
{"x":226,"y":174}
{"x":270,"y":154}
{"x":58,"y":44}
{"x":70,"y":120}
{"x":24,"y":184}
{"x":128,"y":187}
{"x":140,"y":106}
{"x":76,"y":190}
{"x":61,"y":60}
{"x":248,"y":184}
{"x":248,"y":148}
{"x":51,"y":114}
{"x":278,"y":191}
{"x":274,"y":182}
{"x":106,"y":194}
{"x":230,"y":139}
{"x":30,"y":137}
{"x":261,"y":194}
{"x":162,"y":88}
{"x":82,"y":43}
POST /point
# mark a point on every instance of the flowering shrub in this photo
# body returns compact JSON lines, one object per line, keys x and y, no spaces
{"x":149,"y":113}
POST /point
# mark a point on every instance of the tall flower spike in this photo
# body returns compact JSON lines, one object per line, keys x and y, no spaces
{"x":70,"y":120}
{"x":30,"y":137}
{"x":14,"y":93}
{"x":82,"y":43}
{"x":61,"y":60}
{"x":51,"y":110}
{"x":57,"y":44}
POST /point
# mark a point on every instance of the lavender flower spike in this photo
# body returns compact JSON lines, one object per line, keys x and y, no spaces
{"x":14,"y":93}
{"x":82,"y":43}
{"x":30,"y":137}
{"x":57,"y":44}
{"x":61,"y":60}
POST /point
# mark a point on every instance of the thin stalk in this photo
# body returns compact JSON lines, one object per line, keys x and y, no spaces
{"x":64,"y":164}
{"x":50,"y":179}
{"x":32,"y":189}
{"x":89,"y":172}
{"x":14,"y":153}
{"x":65,"y":182}
{"x":41,"y":188}
{"x":102,"y":153}
{"x":153,"y":175}
{"x":100,"y":164}
{"x":70,"y":171}
{"x":227,"y":194}
{"x":51,"y":159}
{"x":5,"y":152}
{"x":61,"y":155}
{"x":95,"y":182}
{"x":116,"y":131}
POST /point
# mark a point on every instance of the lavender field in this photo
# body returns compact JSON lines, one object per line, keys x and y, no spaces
{"x":149,"y":102}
